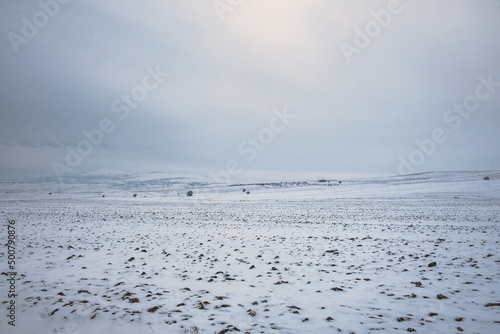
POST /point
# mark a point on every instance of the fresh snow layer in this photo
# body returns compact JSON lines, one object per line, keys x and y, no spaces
{"x":416,"y":253}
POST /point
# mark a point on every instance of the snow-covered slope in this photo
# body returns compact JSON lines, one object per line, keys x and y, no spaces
{"x":102,"y":182}
{"x":159,"y":184}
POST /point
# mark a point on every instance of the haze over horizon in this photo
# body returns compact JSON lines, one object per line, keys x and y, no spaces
{"x":249,"y":88}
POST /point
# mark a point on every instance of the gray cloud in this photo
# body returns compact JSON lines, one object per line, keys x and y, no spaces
{"x":226,"y":77}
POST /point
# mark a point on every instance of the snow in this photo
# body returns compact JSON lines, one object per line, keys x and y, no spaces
{"x":368,"y":255}
{"x":105,"y":171}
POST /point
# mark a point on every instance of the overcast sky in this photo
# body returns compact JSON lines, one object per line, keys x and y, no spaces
{"x":284,"y":86}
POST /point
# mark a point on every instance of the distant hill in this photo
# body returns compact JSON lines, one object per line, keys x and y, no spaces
{"x":121,"y":183}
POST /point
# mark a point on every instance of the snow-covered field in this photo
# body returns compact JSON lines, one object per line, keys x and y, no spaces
{"x":417,"y":254}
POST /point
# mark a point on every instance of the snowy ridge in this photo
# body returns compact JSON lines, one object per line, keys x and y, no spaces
{"x":169,"y":185}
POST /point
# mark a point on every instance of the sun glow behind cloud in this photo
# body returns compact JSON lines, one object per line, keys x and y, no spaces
{"x":274,"y":24}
